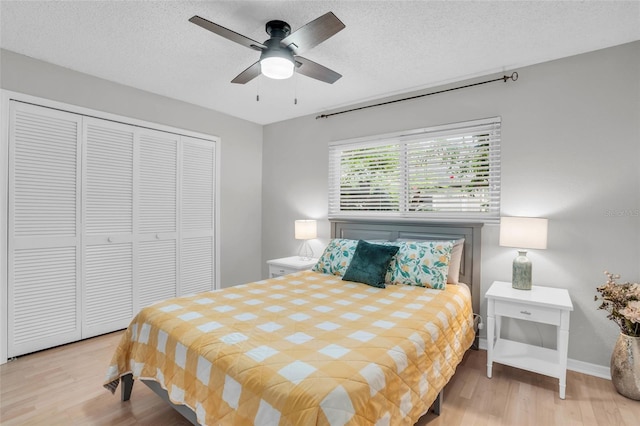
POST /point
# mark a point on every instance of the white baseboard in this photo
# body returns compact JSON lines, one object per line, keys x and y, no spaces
{"x":604,"y":372}
{"x":596,"y":370}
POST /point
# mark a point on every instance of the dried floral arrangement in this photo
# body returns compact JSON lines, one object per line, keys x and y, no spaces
{"x":622,"y":301}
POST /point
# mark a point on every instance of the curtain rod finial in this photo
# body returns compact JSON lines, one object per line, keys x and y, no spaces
{"x":513,"y":77}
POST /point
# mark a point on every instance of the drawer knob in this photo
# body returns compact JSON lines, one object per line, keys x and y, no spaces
{"x":525,"y":312}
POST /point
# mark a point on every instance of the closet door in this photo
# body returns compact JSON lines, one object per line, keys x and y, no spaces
{"x":197,"y":216}
{"x":108,"y":243}
{"x":44,"y":228}
{"x":157,"y":216}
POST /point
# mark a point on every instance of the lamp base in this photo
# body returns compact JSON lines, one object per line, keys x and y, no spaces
{"x":521,"y":278}
{"x":305,"y":252}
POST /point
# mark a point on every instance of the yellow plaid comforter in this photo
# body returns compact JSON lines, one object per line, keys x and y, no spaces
{"x":303,"y":349}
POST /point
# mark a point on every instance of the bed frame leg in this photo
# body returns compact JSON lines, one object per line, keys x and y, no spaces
{"x":436,"y":407}
{"x":126,"y":386}
{"x":477,"y":325}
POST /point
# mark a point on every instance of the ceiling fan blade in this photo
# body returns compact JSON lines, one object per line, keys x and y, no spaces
{"x":247,"y":75}
{"x":313,"y":33}
{"x":227,"y":33}
{"x":315,"y":70}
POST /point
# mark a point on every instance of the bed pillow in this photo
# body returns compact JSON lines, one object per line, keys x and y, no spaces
{"x":421,"y":263}
{"x":336,"y":257}
{"x":370,"y":263}
{"x":453,"y":276}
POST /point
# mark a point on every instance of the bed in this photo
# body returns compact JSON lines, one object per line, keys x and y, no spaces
{"x":311,"y":348}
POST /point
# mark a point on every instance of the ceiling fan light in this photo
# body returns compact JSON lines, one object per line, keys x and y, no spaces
{"x":276,"y":67}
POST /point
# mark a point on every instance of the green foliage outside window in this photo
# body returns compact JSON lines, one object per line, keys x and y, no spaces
{"x":431,"y":175}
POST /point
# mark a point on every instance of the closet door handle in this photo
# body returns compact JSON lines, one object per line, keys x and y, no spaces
{"x":157,"y":236}
{"x":110,"y":239}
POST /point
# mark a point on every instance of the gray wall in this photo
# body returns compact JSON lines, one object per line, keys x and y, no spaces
{"x":241,"y":147}
{"x":570,"y":152}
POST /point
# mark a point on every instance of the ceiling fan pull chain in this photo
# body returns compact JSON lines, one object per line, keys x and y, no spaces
{"x":295,"y":89}
{"x":258,"y":91}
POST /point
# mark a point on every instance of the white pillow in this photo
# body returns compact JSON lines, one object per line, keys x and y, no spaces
{"x":453,"y":275}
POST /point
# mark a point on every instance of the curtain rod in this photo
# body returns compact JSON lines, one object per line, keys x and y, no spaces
{"x":504,"y":78}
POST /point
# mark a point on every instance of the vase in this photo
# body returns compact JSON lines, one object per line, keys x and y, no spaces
{"x":625,"y":366}
{"x":521,"y":277}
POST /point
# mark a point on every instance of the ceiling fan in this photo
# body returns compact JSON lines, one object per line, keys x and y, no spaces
{"x":279,"y":54}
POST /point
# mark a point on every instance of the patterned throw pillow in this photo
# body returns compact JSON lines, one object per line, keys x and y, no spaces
{"x":336,"y":257}
{"x":424,"y":263}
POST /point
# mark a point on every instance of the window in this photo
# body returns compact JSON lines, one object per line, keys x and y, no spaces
{"x":449,"y":172}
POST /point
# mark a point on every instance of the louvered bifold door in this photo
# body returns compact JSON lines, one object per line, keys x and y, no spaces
{"x":157,"y":177}
{"x":197,"y":216}
{"x":108,"y":246}
{"x":44,"y":228}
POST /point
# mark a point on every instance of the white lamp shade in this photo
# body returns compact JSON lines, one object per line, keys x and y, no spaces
{"x":523,"y":232}
{"x":276,"y":67}
{"x":306,"y":229}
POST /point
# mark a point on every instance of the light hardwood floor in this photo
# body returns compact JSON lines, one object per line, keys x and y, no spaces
{"x":63,"y":386}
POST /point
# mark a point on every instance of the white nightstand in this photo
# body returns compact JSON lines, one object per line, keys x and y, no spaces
{"x":540,"y":304}
{"x":289,"y":265}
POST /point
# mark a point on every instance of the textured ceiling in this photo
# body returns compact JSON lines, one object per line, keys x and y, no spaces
{"x":387,"y":47}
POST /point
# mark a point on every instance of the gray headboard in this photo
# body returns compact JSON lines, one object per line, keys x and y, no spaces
{"x":391,"y":231}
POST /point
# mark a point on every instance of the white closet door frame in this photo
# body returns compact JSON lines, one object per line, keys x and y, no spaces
{"x":4,"y":223}
{"x":5,"y":97}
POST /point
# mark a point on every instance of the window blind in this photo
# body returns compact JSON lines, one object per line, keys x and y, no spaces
{"x":449,"y":172}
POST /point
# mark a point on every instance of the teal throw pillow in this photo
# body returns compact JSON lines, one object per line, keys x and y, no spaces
{"x":369,"y":263}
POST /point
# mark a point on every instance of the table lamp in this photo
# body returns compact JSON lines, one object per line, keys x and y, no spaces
{"x":306,"y":230}
{"x":523,"y":233}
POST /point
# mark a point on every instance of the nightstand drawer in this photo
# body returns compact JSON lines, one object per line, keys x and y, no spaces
{"x":278,"y":271}
{"x":528,"y":312}
{"x":289,"y":265}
